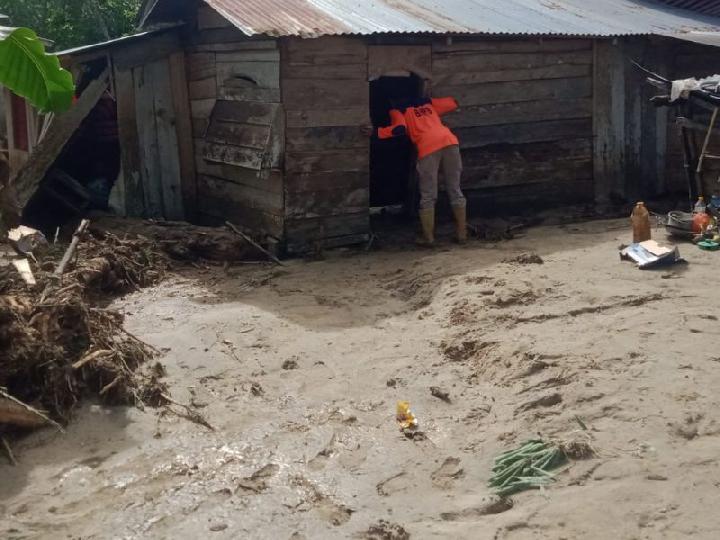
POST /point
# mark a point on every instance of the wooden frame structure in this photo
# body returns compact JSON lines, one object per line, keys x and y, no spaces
{"x":267,"y":132}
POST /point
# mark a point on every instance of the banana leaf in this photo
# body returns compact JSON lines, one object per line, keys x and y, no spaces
{"x":30,"y":72}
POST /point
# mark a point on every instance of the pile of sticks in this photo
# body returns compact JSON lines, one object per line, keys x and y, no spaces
{"x":57,"y":344}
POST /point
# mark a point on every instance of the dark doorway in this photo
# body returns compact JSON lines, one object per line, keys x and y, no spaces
{"x":83,"y":175}
{"x":391,"y":160}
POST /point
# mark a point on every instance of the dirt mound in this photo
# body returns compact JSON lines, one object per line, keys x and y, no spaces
{"x":57,"y":344}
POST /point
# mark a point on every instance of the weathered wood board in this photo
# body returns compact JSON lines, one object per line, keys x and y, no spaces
{"x":526,"y":109}
{"x":385,"y":59}
{"x":129,"y":143}
{"x":238,"y":125}
{"x":326,"y":96}
{"x":156,"y":118}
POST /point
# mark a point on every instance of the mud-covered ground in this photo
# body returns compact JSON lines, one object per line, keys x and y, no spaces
{"x":299,"y":369}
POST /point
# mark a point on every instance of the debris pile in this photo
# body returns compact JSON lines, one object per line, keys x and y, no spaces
{"x":57,"y":344}
{"x":181,"y":241}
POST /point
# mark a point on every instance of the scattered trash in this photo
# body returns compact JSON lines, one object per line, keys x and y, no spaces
{"x":23,"y":268}
{"x":650,"y":254}
{"x":414,"y":434}
{"x":701,"y":219}
{"x":27,"y":241}
{"x":680,"y":225}
{"x":709,"y":245}
{"x":440,"y":394}
{"x":405,"y":417}
{"x":526,"y":467}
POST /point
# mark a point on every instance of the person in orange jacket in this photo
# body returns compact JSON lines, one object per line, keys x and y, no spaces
{"x":437,"y":147}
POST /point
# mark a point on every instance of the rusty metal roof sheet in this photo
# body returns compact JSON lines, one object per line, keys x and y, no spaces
{"x":311,"y":18}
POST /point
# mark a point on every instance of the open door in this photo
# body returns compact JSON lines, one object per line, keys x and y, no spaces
{"x":392,"y":161}
{"x":396,"y":73}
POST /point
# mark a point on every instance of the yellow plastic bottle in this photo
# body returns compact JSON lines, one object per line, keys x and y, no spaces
{"x":640,"y":219}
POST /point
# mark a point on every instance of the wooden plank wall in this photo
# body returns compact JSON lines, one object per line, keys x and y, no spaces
{"x":525,"y":125}
{"x":608,"y":121}
{"x":692,"y":60}
{"x":645,"y":126}
{"x":326,"y":97}
{"x":154,"y":127}
{"x":237,"y":125}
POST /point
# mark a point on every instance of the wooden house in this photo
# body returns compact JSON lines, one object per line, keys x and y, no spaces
{"x":20,"y":123}
{"x":253,"y":111}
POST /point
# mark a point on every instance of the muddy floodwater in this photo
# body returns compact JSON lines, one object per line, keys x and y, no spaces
{"x":298,"y":371}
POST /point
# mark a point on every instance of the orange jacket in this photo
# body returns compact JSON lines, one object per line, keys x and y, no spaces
{"x":423,"y":125}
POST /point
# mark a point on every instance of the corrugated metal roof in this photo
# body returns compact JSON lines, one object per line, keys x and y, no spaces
{"x":311,"y":18}
{"x":124,"y":40}
{"x":709,"y":7}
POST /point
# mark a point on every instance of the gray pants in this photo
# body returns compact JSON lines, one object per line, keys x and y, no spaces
{"x":428,"y":169}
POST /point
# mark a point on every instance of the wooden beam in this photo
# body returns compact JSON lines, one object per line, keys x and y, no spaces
{"x":61,"y":129}
{"x":183,"y":127}
{"x":129,"y":143}
{"x":513,"y":92}
{"x":556,"y":130}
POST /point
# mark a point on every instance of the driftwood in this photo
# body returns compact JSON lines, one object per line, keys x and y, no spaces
{"x":77,"y":236}
{"x":16,"y":413}
{"x":254,"y":244}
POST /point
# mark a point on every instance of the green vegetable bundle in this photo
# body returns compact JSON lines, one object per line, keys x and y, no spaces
{"x":526,"y":467}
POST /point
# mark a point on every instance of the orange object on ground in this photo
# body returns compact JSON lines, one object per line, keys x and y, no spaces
{"x":404,"y":416}
{"x":423,"y":125}
{"x":640,"y":223}
{"x":700,"y":222}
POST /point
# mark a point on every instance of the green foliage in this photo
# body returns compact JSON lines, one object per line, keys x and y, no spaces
{"x":28,"y":71}
{"x":71,"y":23}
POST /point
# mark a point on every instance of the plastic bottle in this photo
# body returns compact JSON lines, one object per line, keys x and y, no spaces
{"x":700,"y":206}
{"x":714,"y":206}
{"x":640,"y":223}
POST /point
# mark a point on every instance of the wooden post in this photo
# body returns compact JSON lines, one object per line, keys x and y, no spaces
{"x":183,"y":126}
{"x":608,"y":120}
